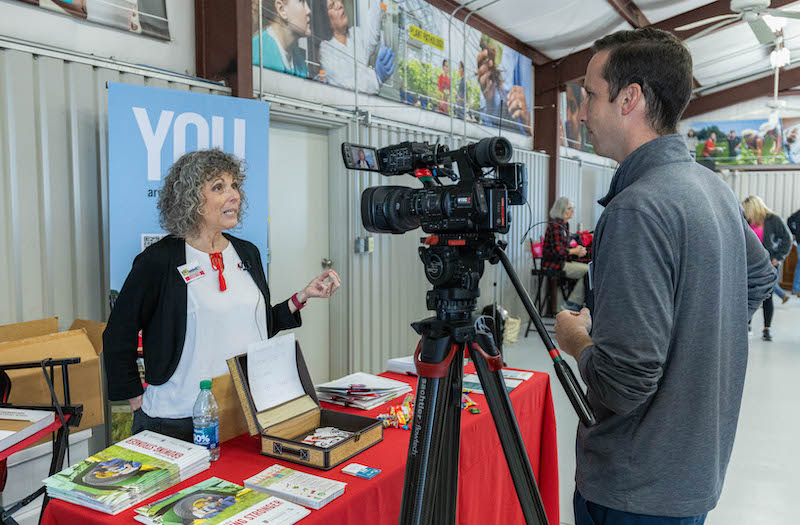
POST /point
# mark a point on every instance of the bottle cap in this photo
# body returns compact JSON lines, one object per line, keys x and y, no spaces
{"x":205,"y":384}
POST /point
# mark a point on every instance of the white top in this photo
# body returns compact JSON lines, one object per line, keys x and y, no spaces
{"x":336,"y":58}
{"x":219,"y":325}
{"x":288,"y":61}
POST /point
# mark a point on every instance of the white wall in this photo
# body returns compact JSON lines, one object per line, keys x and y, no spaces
{"x":25,"y":22}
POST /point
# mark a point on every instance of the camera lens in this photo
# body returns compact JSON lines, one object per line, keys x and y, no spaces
{"x":387,"y":209}
{"x":494,"y":151}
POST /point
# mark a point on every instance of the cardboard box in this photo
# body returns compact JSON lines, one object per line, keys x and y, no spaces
{"x":38,"y":340}
{"x":283,"y":426}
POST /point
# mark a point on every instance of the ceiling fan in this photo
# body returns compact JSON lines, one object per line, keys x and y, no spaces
{"x":751,"y":11}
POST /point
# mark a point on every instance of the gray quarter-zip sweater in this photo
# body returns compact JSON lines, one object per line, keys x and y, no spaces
{"x":677,"y":274}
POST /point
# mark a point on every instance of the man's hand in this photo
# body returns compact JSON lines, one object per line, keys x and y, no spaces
{"x":485,"y":70}
{"x":572,"y":331}
{"x":518,"y":105}
{"x":775,"y":262}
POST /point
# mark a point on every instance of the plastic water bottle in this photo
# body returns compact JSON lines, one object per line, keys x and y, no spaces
{"x":205,"y":417}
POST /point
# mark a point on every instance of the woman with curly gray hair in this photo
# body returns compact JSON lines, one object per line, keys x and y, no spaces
{"x":199,"y":296}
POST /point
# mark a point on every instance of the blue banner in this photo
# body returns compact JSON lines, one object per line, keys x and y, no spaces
{"x":148,"y":129}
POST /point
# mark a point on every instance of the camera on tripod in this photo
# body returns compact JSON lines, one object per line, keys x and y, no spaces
{"x":478,"y":202}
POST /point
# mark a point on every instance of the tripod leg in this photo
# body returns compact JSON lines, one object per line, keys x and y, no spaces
{"x":488,"y":364}
{"x":444,"y":511}
{"x":429,"y":472}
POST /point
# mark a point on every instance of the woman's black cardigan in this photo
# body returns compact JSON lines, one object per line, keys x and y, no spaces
{"x":153,"y":299}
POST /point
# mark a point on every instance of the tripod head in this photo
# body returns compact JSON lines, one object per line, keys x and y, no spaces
{"x":454,"y":265}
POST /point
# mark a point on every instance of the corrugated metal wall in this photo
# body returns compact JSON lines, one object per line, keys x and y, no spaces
{"x":569,"y":185}
{"x":54,"y":183}
{"x":780,"y":190}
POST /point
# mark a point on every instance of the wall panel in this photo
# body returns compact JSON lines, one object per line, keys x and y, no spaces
{"x":54,"y":179}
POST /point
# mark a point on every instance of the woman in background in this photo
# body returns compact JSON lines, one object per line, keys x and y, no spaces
{"x":338,"y":46}
{"x":557,"y":254}
{"x":775,"y":236}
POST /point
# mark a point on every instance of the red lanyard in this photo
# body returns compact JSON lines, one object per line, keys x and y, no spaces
{"x":218,"y":265}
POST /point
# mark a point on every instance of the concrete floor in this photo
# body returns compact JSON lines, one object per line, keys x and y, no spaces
{"x":765,"y":466}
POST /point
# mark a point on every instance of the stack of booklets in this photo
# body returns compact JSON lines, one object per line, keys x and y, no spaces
{"x":512,"y":379}
{"x":128,"y":473}
{"x":306,"y":489}
{"x":17,"y":424}
{"x":361,"y":390}
{"x":219,"y":502}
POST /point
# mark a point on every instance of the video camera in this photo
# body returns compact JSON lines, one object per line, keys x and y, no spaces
{"x":476,"y":203}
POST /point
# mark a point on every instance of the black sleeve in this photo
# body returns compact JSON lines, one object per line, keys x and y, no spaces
{"x":783,"y":238}
{"x":794,"y":223}
{"x":132,"y":311}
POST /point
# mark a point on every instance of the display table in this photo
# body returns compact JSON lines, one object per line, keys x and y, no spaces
{"x":485,"y":493}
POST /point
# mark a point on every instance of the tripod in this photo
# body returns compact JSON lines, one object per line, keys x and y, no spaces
{"x":454,"y":265}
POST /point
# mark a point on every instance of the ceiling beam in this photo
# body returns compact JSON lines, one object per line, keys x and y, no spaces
{"x":761,"y":87}
{"x":572,"y":68}
{"x":484,"y":26}
{"x":630,"y":12}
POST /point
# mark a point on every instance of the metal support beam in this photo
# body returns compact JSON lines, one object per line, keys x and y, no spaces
{"x":488,"y":28}
{"x":547,"y":136}
{"x":222,"y":39}
{"x":630,"y":12}
{"x":761,"y":87}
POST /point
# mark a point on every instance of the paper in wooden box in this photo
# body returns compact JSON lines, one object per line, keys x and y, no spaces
{"x":283,"y":426}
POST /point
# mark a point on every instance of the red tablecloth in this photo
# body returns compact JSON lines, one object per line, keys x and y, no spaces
{"x":486,"y":492}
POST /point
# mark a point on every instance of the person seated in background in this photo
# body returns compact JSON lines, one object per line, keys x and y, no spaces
{"x":290,"y":21}
{"x":557,"y":254}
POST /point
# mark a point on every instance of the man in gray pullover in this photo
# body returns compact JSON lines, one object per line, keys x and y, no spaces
{"x":677,"y":273}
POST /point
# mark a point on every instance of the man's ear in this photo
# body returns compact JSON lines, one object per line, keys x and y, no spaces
{"x":630,"y":98}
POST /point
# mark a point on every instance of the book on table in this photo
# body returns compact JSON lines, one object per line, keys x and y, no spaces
{"x":17,"y":424}
{"x":306,"y":489}
{"x":216,"y":501}
{"x":128,"y":473}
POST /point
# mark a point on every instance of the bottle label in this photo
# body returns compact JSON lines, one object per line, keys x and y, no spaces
{"x":207,"y":437}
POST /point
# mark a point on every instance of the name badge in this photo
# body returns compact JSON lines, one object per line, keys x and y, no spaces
{"x":191,"y":272}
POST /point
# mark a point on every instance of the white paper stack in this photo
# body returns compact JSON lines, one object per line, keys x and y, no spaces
{"x":402,"y":365}
{"x":128,"y":473}
{"x":298,"y":487}
{"x":219,"y":502}
{"x":361,"y":390}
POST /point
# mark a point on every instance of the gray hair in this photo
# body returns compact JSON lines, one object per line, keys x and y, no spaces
{"x":181,"y":201}
{"x":559,"y":209}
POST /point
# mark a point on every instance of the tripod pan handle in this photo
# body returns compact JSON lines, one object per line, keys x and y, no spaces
{"x":574,"y":393}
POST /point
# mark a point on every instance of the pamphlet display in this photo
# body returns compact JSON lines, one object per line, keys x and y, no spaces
{"x":219,"y":502}
{"x":361,"y":390}
{"x":128,"y":473}
{"x":306,"y":489}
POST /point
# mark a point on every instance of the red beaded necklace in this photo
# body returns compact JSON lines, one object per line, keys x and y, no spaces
{"x":218,"y":265}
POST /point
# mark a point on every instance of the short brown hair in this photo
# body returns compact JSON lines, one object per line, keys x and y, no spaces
{"x":657,"y":61}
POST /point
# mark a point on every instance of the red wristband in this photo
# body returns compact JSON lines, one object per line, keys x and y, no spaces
{"x":297,"y":303}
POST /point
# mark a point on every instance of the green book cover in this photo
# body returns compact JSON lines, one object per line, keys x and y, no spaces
{"x":112,"y":476}
{"x":216,"y":501}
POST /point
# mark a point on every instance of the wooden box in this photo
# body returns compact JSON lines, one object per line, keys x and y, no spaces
{"x":284,"y":426}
